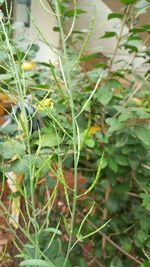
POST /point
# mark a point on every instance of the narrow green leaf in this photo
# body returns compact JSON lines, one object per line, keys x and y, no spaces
{"x":115,"y":15}
{"x":70,"y":13}
{"x":53,"y":230}
{"x":42,"y":86}
{"x":108,"y":35}
{"x":56,"y":29}
{"x":86,"y":58}
{"x":137,"y":30}
{"x":146,"y":27}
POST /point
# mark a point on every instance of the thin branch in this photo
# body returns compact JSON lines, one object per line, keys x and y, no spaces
{"x":131,"y":257}
{"x":119,"y":38}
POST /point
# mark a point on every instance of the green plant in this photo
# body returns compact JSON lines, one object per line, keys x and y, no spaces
{"x":82,"y":114}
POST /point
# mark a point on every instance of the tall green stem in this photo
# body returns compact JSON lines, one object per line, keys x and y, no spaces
{"x":68,"y":83}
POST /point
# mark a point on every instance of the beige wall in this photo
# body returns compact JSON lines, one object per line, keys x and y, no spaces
{"x":115,"y":6}
{"x":45,"y":22}
{"x":102,"y":24}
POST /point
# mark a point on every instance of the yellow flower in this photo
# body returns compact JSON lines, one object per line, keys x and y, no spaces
{"x":46,"y":103}
{"x":28,"y":65}
{"x":137,"y":101}
{"x":94,"y":129}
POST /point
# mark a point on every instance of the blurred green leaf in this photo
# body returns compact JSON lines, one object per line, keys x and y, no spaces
{"x":59,"y":262}
{"x":20,"y":166}
{"x":143,"y":134}
{"x":146,"y":201}
{"x":146,"y":264}
{"x":4,"y":77}
{"x":70,"y":13}
{"x":113,"y":165}
{"x":115,"y":15}
{"x":108,"y":35}
{"x":126,"y":244}
{"x":49,"y":137}
{"x":121,"y":160}
{"x":142,"y":236}
{"x":8,"y":149}
{"x":90,"y":142}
